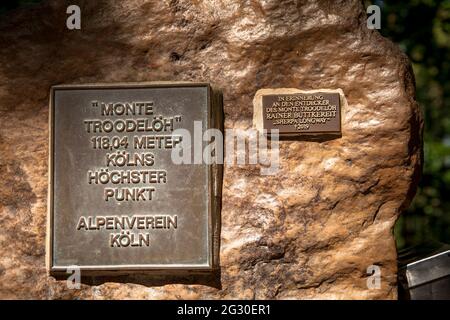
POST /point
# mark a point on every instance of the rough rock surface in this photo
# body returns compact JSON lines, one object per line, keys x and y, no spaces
{"x":309,"y":232}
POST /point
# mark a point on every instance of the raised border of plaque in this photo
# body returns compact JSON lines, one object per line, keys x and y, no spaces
{"x":296,"y":112}
{"x":215,"y":175}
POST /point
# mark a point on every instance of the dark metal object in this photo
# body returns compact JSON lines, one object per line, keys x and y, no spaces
{"x":302,"y":113}
{"x":117,"y":202}
{"x":424,"y":272}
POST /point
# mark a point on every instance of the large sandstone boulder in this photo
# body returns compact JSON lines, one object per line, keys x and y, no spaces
{"x":312,"y":230}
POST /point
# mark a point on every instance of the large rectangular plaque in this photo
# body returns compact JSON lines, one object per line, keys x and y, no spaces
{"x":302,"y":113}
{"x":117,"y":201}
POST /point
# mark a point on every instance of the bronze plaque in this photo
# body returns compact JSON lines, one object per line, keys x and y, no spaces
{"x":302,"y":113}
{"x":117,"y":201}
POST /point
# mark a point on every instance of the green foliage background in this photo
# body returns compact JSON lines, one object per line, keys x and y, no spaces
{"x":422,"y":30}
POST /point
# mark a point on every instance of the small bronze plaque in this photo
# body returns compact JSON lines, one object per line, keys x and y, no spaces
{"x":117,"y":200}
{"x":305,"y":113}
